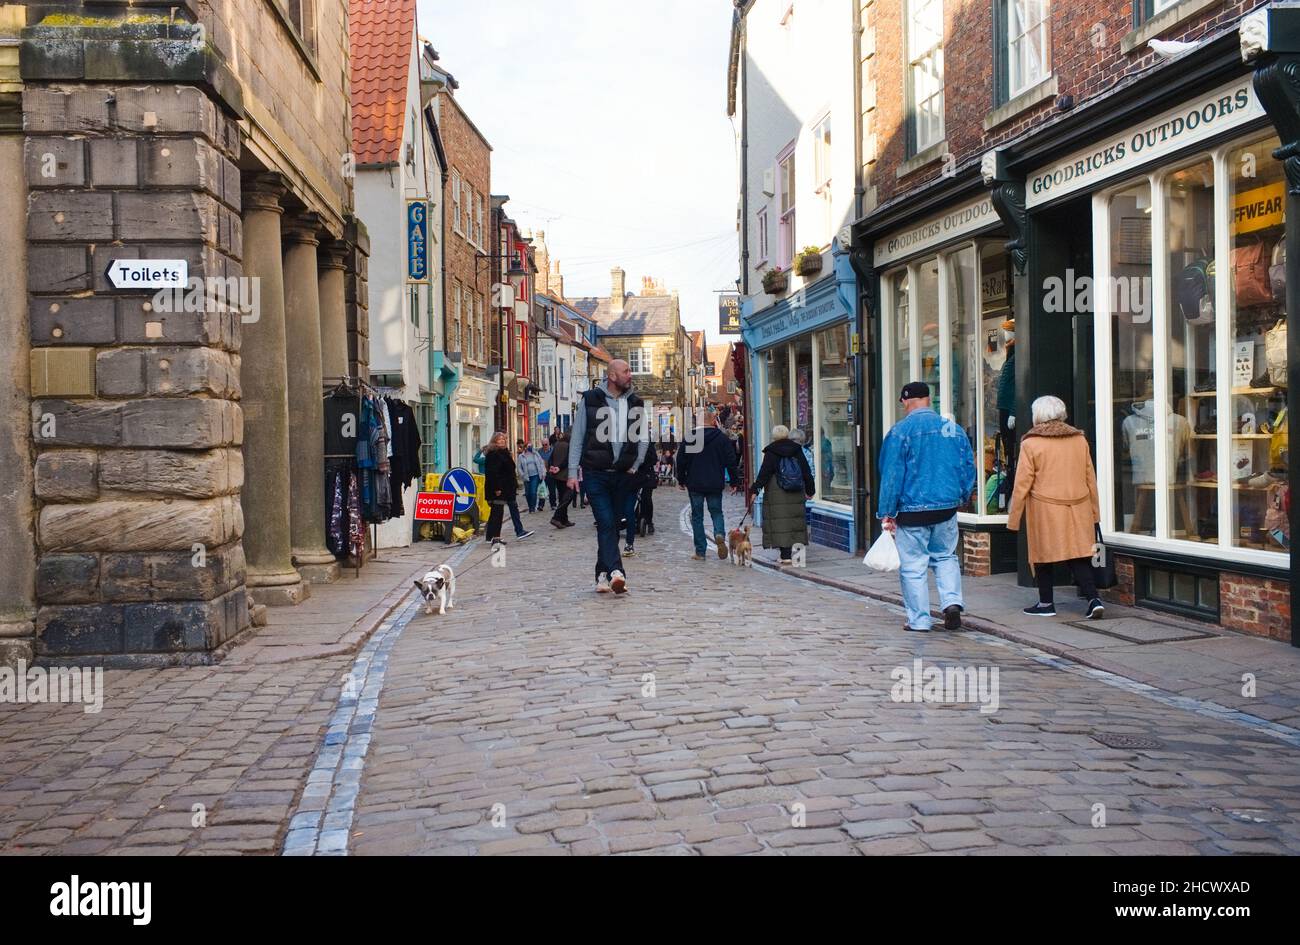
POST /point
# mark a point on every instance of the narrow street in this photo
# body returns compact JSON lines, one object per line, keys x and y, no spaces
{"x":710,"y":710}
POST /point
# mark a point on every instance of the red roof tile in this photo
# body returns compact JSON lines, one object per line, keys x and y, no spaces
{"x":381,"y":34}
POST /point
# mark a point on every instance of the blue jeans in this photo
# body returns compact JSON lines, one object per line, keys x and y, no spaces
{"x":530,"y":492}
{"x":608,"y":491}
{"x":714,"y":500}
{"x":922,"y":548}
{"x":629,"y":513}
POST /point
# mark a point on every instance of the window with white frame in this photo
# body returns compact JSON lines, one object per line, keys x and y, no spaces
{"x":925,"y":72}
{"x":480,"y":321}
{"x":478,"y":220}
{"x":760,"y":222}
{"x":785,"y":194}
{"x":1028,"y":54}
{"x":639,"y":360}
{"x":455,"y":202}
{"x":822,"y":170}
{"x":1191,"y":379}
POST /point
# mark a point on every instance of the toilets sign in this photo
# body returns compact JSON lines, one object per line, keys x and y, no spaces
{"x":148,"y":273}
{"x":417,"y":241}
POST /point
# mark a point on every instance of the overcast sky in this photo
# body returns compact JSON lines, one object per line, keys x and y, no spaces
{"x":607,"y":120}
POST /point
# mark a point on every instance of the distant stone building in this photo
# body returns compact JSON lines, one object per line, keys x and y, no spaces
{"x":646,"y":331}
{"x":151,"y":474}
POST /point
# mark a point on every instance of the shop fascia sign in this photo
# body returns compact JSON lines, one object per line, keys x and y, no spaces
{"x":936,"y":231}
{"x":795,"y":317}
{"x":1227,"y":107}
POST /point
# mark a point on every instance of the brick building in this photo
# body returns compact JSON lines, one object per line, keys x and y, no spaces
{"x":472,"y":344}
{"x":154,"y":484}
{"x":1085,"y":215}
{"x":646,"y":331}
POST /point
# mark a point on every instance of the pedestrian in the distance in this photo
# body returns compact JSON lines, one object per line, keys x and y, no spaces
{"x":502,"y":484}
{"x":646,"y":504}
{"x":638,"y":498}
{"x":1056,"y":496}
{"x":545,"y":451}
{"x":531,"y":470}
{"x":786,"y":480}
{"x":927,"y":472}
{"x":703,"y":468}
{"x":610,"y":440}
{"x":559,"y":468}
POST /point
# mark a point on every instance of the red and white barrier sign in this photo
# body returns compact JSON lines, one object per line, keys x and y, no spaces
{"x":435,"y":506}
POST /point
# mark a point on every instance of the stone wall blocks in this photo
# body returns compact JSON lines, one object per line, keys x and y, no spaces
{"x":67,"y":475}
{"x":65,"y":321}
{"x":120,"y":372}
{"x":182,"y":162}
{"x":180,"y":215}
{"x":176,"y":423}
{"x":59,"y":423}
{"x":166,"y":109}
{"x":167,"y":472}
{"x":114,"y":162}
{"x":80,"y":630}
{"x":55,"y":162}
{"x":57,"y":110}
{"x":140,"y":525}
{"x":69,"y":215}
{"x":58,"y":269}
{"x":67,"y":579}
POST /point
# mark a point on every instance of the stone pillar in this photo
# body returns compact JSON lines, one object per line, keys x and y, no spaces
{"x":332,"y":257}
{"x":17,"y":537}
{"x":271,"y":575}
{"x":307,"y":432}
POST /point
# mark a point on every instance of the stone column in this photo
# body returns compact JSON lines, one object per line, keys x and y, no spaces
{"x":332,"y":258}
{"x":17,"y":536}
{"x":271,"y":575}
{"x":307,"y":432}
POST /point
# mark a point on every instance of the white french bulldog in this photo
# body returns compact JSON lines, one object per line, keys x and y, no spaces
{"x":438,"y":584}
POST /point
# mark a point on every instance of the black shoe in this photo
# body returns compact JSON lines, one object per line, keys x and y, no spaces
{"x":650,"y":528}
{"x":527,"y":534}
{"x":1096,"y":609}
{"x":557,"y":523}
{"x":1041,"y":610}
{"x":629,"y":552}
{"x":952,"y":617}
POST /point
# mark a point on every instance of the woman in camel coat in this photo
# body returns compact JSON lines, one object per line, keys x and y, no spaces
{"x":1056,"y":497}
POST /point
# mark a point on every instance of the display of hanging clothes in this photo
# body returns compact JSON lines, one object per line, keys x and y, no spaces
{"x":406,"y":443}
{"x":356,"y":527}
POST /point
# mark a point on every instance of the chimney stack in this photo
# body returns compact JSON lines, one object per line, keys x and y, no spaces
{"x":617,"y":289}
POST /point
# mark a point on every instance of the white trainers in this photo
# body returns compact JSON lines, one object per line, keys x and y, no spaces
{"x":617,"y":582}
{"x":602,"y":583}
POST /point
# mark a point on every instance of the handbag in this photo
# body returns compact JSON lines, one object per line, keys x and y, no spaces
{"x":1277,"y":273}
{"x":1250,"y":274}
{"x":1275,"y":353}
{"x":1103,"y":564}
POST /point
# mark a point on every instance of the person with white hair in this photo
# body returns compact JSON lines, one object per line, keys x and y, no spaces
{"x":1055,"y":496}
{"x":786,"y":478}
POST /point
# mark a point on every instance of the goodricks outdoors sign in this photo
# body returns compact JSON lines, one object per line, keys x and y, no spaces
{"x":1222,"y":110}
{"x":934,"y":232}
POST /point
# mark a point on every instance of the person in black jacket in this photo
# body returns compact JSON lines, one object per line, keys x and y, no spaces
{"x":703,"y":467}
{"x":558,"y":469}
{"x":502,"y":484}
{"x":785,"y":523}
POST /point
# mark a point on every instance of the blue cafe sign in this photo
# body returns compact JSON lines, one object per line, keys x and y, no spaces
{"x":417,"y":241}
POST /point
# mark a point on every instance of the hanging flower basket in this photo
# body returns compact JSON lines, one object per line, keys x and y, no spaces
{"x":775,"y":281}
{"x":808,"y":262}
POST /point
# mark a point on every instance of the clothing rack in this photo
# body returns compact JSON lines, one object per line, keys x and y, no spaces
{"x":332,"y":386}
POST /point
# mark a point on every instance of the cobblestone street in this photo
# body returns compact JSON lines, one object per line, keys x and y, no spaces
{"x":710,"y":710}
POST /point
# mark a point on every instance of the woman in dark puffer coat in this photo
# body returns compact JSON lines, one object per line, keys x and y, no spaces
{"x":785,"y":523}
{"x":502,"y":484}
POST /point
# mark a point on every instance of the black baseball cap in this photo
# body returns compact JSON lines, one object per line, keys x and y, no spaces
{"x":915,"y":390}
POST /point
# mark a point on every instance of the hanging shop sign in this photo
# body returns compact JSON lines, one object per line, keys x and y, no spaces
{"x":461,"y":482}
{"x":1224,"y":109}
{"x":417,"y":241}
{"x":729,"y":313}
{"x":435,"y":506}
{"x":951,"y":225}
{"x":1259,"y":208}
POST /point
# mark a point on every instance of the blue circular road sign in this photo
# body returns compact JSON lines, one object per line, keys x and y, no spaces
{"x":461,"y":482}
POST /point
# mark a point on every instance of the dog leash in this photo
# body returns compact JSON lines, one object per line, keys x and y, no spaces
{"x":749,"y":507}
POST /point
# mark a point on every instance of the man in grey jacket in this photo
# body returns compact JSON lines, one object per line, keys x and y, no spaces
{"x":608,"y":443}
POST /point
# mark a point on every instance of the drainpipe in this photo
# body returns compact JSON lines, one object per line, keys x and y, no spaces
{"x":862,"y":505}
{"x":744,"y":161}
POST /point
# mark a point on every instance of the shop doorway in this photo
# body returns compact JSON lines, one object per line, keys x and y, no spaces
{"x":1063,"y":311}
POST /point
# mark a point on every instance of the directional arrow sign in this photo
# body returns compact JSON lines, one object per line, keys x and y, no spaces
{"x":148,"y":273}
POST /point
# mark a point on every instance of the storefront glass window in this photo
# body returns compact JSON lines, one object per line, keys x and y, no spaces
{"x":1193,"y":433}
{"x":835,"y":425}
{"x":901,"y":355}
{"x":994,"y":340}
{"x":803,"y":388}
{"x":1131,"y":359}
{"x":927,"y":305}
{"x":778,"y":383}
{"x":1257,"y":420}
{"x":964,"y":356}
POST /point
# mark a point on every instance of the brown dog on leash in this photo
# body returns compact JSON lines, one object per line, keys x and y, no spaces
{"x":742,"y":552}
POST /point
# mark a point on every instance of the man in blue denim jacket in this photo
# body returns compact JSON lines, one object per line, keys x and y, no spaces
{"x":927,"y":472}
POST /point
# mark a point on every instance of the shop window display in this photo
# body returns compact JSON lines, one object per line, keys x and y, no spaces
{"x":901,"y":349}
{"x":778,"y":379}
{"x":834,"y":420}
{"x":1257,"y":420}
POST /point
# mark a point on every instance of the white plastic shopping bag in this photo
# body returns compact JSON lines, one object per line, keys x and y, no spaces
{"x":883,"y":553}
